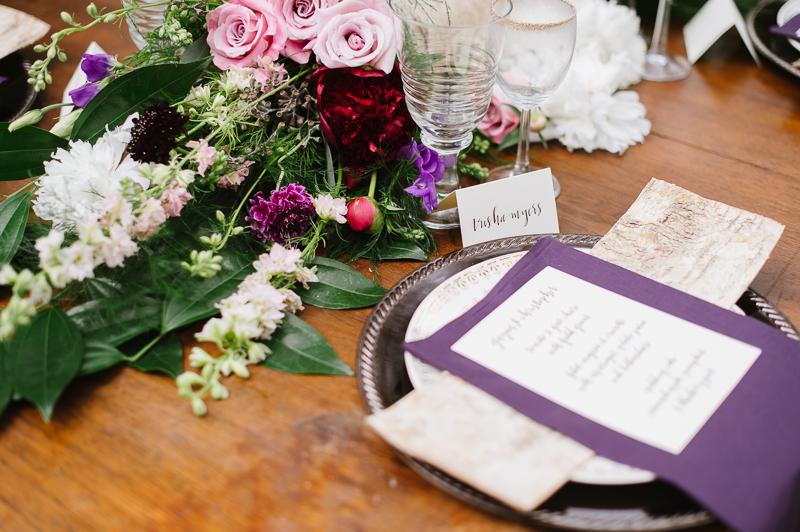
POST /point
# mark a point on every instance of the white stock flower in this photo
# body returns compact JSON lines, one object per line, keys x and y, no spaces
{"x":77,"y":180}
{"x":329,"y":208}
{"x":78,"y":261}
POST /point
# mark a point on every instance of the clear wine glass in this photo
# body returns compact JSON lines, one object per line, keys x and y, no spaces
{"x":537,"y":55}
{"x":448,"y":54}
{"x":659,"y":65}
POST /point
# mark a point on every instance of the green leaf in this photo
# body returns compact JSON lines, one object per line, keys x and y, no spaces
{"x":133,"y":93}
{"x":23,"y":152}
{"x":13,"y":216}
{"x":5,"y":385}
{"x":43,"y":357}
{"x":340,"y":287}
{"x":166,"y":356}
{"x":404,"y":250}
{"x":199,"y":49}
{"x":98,"y":356}
{"x":510,"y":140}
{"x":113,"y":323}
{"x":101,"y":288}
{"x":298,"y":348}
{"x":180,"y":310}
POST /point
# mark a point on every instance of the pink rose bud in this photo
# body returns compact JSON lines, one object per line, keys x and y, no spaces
{"x":364,"y":215}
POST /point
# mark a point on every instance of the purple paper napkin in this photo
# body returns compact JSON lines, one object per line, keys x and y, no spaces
{"x":743,"y":465}
{"x":788,"y":30}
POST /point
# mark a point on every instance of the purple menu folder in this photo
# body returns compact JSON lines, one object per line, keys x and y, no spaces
{"x":743,"y":465}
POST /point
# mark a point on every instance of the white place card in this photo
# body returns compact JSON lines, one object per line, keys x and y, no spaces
{"x":634,"y":369}
{"x":707,"y":26}
{"x":515,"y":206}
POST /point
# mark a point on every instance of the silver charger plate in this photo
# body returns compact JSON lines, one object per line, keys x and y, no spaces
{"x":383,"y":380}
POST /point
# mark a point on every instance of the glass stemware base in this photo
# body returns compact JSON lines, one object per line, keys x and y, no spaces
{"x":502,"y":172}
{"x":665,"y":67}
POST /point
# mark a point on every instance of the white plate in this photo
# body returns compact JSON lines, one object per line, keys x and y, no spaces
{"x":453,"y":298}
{"x":786,"y":13}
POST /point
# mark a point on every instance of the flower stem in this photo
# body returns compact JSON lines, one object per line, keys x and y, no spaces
{"x":373,"y":181}
{"x":239,"y":209}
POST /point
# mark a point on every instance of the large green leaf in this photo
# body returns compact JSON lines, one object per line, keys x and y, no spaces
{"x":98,"y":356}
{"x":5,"y":385}
{"x":166,"y":356}
{"x":199,"y":49}
{"x":298,"y":348}
{"x":13,"y":216}
{"x":101,"y":288}
{"x":197,"y":298}
{"x":133,"y":93}
{"x":340,"y":287}
{"x":110,"y":322}
{"x":23,"y":152}
{"x":404,"y":250}
{"x":43,"y":357}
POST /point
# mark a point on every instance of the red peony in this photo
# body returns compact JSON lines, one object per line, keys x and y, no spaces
{"x":363,"y":115}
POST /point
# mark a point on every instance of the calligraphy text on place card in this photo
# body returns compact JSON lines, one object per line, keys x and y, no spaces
{"x":515,"y":216}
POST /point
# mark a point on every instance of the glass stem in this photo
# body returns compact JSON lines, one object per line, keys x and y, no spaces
{"x":449,"y":181}
{"x":659,"y":43}
{"x":522,"y":165}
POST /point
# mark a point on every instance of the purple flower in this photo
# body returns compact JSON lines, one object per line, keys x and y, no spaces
{"x":286,"y":215}
{"x":84,"y":94}
{"x":427,"y":160}
{"x":425,"y":186}
{"x":97,"y":67}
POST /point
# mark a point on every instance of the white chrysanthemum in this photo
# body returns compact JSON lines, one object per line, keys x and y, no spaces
{"x":79,"y":179}
{"x":582,"y":119}
{"x":612,"y":32}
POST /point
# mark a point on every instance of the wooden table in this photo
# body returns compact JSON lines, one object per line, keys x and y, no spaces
{"x":291,"y":453}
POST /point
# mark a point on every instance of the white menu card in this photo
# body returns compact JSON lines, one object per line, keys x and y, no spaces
{"x":634,"y":369}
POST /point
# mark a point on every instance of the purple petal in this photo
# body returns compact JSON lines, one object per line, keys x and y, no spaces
{"x":425,"y":187}
{"x":97,"y":67}
{"x":84,"y":94}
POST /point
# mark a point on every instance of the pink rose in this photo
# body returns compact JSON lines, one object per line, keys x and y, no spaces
{"x":500,"y":119}
{"x":356,"y":33}
{"x":301,"y":24}
{"x":241,"y":32}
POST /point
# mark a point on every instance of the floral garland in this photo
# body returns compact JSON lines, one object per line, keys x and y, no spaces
{"x":589,"y":110}
{"x":198,"y":178}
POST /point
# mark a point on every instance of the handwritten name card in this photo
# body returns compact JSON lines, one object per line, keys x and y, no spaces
{"x":637,"y":370}
{"x":516,"y":206}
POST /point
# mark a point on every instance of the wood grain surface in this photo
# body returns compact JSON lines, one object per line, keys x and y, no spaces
{"x":291,"y":453}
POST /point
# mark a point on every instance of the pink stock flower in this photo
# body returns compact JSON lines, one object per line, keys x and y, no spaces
{"x":301,"y":25}
{"x":174,"y":198}
{"x":149,"y":218}
{"x":356,"y":33}
{"x":205,"y":156}
{"x":235,"y":178}
{"x":241,"y":32}
{"x":500,"y":119}
{"x":268,"y":73}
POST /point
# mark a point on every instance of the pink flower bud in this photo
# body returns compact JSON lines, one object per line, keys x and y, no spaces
{"x":364,"y":215}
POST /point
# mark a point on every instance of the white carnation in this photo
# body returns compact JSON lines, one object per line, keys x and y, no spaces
{"x":76,"y":181}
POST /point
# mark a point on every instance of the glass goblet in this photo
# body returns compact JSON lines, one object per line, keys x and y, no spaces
{"x":448,"y":56}
{"x":537,"y":55}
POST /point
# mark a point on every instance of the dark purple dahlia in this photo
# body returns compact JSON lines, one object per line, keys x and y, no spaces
{"x":284,"y":216}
